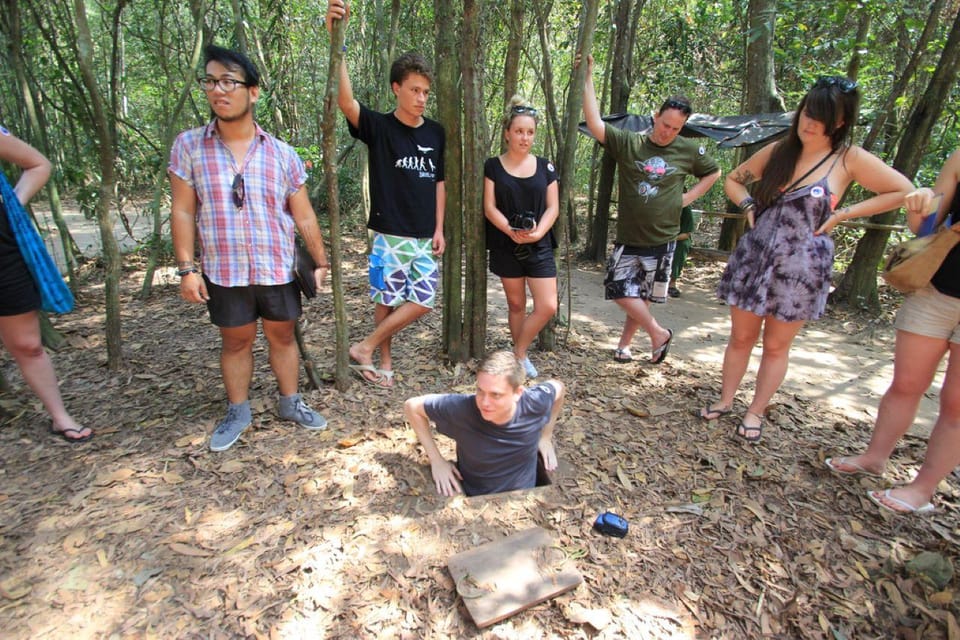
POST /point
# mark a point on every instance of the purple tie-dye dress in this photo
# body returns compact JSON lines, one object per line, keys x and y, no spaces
{"x":780,"y":268}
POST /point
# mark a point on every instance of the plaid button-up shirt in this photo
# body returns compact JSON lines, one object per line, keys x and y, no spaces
{"x":252,"y":244}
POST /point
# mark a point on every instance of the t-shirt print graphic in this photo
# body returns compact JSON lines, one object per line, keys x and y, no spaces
{"x":422,"y":163}
{"x":654,"y":169}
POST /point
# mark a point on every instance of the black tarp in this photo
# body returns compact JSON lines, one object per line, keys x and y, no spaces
{"x":727,"y":131}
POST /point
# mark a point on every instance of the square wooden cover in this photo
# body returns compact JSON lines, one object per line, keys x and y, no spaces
{"x":503,"y":577}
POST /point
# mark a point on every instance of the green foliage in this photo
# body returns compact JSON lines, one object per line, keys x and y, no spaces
{"x":689,"y":47}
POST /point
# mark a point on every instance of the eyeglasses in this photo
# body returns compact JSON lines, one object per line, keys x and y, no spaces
{"x":238,"y":190}
{"x":226,"y":85}
{"x":846,"y":85}
{"x":521,"y":110}
{"x":679,"y":105}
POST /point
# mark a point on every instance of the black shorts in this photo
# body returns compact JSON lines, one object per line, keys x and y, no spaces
{"x":236,"y":306}
{"x":527,"y":261}
{"x":18,"y":291}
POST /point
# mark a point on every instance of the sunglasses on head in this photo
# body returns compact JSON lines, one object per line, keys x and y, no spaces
{"x":682,"y":107}
{"x":237,"y":190}
{"x":846,"y":85}
{"x":521,"y":110}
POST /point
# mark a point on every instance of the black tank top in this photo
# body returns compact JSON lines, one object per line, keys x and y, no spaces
{"x":947,"y":278}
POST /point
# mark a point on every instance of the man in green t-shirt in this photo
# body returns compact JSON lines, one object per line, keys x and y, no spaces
{"x":651,"y":167}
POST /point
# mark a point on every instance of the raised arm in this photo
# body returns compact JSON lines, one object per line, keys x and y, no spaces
{"x":591,"y":109}
{"x":340,"y":10}
{"x":446,"y":476}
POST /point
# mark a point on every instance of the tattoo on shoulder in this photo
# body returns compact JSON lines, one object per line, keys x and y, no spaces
{"x":744,"y":176}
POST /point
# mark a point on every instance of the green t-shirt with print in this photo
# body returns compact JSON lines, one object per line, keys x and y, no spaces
{"x":651,"y":184}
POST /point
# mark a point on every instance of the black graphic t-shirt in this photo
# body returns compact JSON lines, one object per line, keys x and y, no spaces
{"x":406,"y":163}
{"x":516,"y":195}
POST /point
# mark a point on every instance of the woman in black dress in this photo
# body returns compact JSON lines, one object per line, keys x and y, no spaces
{"x":20,"y":300}
{"x":521,"y":203}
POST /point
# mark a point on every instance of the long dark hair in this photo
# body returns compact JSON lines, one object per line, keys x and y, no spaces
{"x":830,"y":100}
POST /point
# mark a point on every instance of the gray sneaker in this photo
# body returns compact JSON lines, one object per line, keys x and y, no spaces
{"x":229,"y":429}
{"x":295,"y":409}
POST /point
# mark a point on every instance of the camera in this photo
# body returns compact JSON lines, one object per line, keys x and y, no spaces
{"x":526,"y":221}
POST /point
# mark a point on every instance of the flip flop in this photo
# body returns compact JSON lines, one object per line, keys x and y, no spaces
{"x":907,"y":507}
{"x":386,"y":375}
{"x":706,"y":412}
{"x":742,"y":429}
{"x":660,"y":353}
{"x":62,"y":434}
{"x":622,"y":355}
{"x":831,"y":463}
{"x":360,"y":368}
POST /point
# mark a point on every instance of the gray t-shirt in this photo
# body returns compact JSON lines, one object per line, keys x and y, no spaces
{"x":494,"y":458}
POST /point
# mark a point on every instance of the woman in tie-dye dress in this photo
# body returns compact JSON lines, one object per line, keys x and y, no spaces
{"x":779,"y":275}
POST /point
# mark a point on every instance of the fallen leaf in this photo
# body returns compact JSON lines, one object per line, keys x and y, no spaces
{"x":187,"y":550}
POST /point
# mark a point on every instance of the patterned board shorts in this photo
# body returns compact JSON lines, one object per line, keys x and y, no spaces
{"x":643,"y":273}
{"x":403,"y":270}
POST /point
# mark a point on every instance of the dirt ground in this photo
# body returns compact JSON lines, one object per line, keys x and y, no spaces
{"x":144,"y":532}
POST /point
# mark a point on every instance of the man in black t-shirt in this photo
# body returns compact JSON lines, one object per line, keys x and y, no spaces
{"x":499,"y":430}
{"x":407,"y":200}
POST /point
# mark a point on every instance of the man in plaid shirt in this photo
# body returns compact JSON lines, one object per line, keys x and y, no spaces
{"x":242,"y":192}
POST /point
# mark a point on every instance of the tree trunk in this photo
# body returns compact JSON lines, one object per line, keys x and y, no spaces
{"x":567,"y":153}
{"x":858,"y":287}
{"x":106,"y":152}
{"x":621,"y":79}
{"x":474,"y":153}
{"x":168,"y":133}
{"x":905,"y":75}
{"x":511,"y":63}
{"x":449,"y":112}
{"x":760,"y":94}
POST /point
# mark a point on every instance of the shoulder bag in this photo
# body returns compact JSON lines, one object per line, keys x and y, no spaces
{"x":55,"y":295}
{"x":911,"y":264}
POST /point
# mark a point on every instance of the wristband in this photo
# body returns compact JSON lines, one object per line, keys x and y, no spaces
{"x":187,"y":271}
{"x":746,"y":203}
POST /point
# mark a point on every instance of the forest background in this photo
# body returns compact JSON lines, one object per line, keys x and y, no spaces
{"x":144,"y":533}
{"x":102,"y":88}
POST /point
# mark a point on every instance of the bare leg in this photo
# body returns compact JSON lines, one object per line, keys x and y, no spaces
{"x":544,"y":294}
{"x":777,"y":338}
{"x":21,"y":337}
{"x":284,"y":354}
{"x":943,"y":449}
{"x":639,"y":316}
{"x":236,"y":360}
{"x":744,"y":331}
{"x":914,"y":365}
{"x":515,"y":290}
{"x":391,"y":324}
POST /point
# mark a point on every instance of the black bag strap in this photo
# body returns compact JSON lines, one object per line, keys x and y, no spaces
{"x":807,"y":174}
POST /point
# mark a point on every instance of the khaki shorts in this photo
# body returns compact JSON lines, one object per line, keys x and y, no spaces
{"x":932,"y":314}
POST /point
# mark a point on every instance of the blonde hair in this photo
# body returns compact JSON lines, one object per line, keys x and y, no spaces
{"x":503,"y":363}
{"x":519,"y":106}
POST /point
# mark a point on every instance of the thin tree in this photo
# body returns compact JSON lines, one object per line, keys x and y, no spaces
{"x":449,"y":113}
{"x":858,"y":287}
{"x":330,"y":110}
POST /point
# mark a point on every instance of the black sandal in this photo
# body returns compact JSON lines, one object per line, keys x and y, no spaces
{"x":743,"y":429}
